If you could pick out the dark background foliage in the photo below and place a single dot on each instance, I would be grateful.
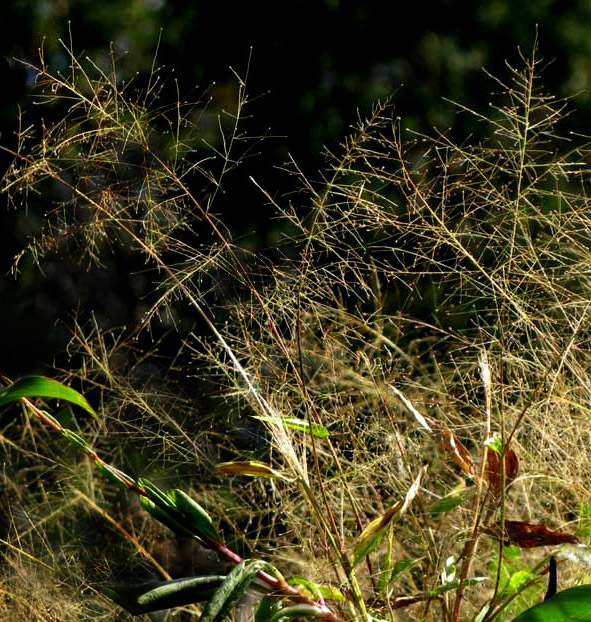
(313, 67)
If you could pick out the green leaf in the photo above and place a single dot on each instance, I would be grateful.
(312, 588)
(164, 517)
(495, 443)
(372, 535)
(39, 386)
(158, 496)
(76, 440)
(573, 605)
(298, 424)
(298, 611)
(518, 581)
(197, 519)
(231, 590)
(447, 503)
(157, 595)
(453, 585)
(114, 474)
(317, 590)
(267, 608)
(401, 566)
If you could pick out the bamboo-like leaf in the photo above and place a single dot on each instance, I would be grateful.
(572, 605)
(157, 595)
(298, 424)
(39, 386)
(251, 468)
(401, 566)
(449, 502)
(230, 592)
(196, 518)
(372, 535)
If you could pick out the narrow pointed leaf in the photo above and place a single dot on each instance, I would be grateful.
(231, 591)
(76, 440)
(266, 609)
(449, 502)
(157, 595)
(298, 611)
(454, 585)
(196, 518)
(158, 496)
(114, 474)
(164, 517)
(401, 566)
(251, 468)
(573, 605)
(372, 535)
(39, 386)
(298, 424)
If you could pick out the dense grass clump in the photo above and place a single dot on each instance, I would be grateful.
(416, 354)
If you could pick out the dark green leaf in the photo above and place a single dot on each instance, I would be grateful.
(401, 566)
(231, 590)
(267, 608)
(165, 518)
(115, 475)
(157, 595)
(158, 496)
(196, 518)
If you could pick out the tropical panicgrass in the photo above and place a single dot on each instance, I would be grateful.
(433, 294)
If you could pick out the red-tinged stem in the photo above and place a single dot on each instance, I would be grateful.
(278, 584)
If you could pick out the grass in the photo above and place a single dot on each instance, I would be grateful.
(430, 294)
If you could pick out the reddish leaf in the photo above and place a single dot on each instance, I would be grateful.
(458, 452)
(493, 469)
(527, 536)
